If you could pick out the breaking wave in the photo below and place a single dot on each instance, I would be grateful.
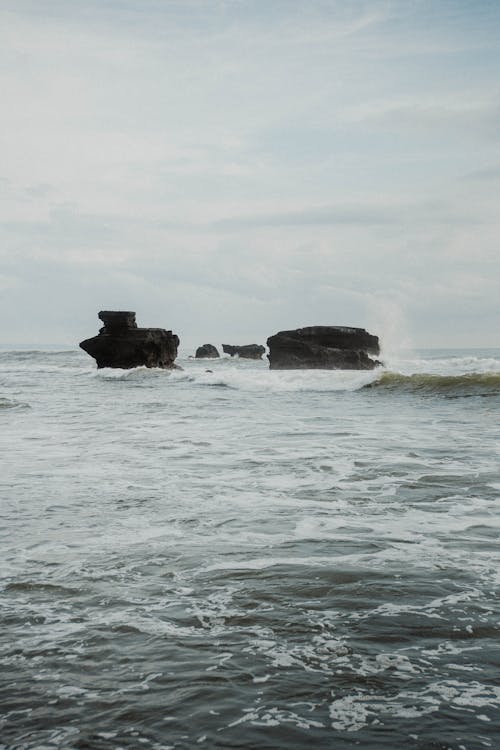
(468, 384)
(451, 381)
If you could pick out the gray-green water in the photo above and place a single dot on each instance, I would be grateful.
(249, 559)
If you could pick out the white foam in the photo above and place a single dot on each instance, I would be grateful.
(174, 503)
(284, 381)
(449, 365)
(352, 713)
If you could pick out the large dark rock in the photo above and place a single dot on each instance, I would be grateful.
(323, 348)
(207, 351)
(121, 343)
(249, 351)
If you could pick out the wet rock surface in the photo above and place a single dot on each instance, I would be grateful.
(120, 343)
(323, 347)
(249, 351)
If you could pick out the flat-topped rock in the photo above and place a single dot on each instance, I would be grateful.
(120, 343)
(248, 351)
(323, 348)
(117, 320)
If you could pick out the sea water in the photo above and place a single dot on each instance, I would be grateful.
(229, 557)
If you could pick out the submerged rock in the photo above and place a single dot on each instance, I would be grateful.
(323, 348)
(120, 343)
(207, 351)
(249, 351)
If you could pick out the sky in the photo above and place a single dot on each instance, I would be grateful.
(232, 168)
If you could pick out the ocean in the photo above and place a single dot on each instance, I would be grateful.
(231, 557)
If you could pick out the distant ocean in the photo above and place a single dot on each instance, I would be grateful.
(249, 559)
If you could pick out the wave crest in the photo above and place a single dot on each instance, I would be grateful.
(469, 384)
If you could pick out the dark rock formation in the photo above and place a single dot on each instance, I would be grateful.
(323, 348)
(207, 351)
(121, 343)
(249, 351)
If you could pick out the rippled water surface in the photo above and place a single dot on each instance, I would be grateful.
(249, 559)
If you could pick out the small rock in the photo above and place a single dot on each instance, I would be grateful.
(207, 351)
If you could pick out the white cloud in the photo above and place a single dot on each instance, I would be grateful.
(239, 166)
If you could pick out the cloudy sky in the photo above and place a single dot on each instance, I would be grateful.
(230, 168)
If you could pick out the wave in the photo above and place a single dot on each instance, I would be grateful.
(132, 373)
(323, 381)
(467, 374)
(6, 403)
(439, 365)
(281, 381)
(29, 355)
(465, 384)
